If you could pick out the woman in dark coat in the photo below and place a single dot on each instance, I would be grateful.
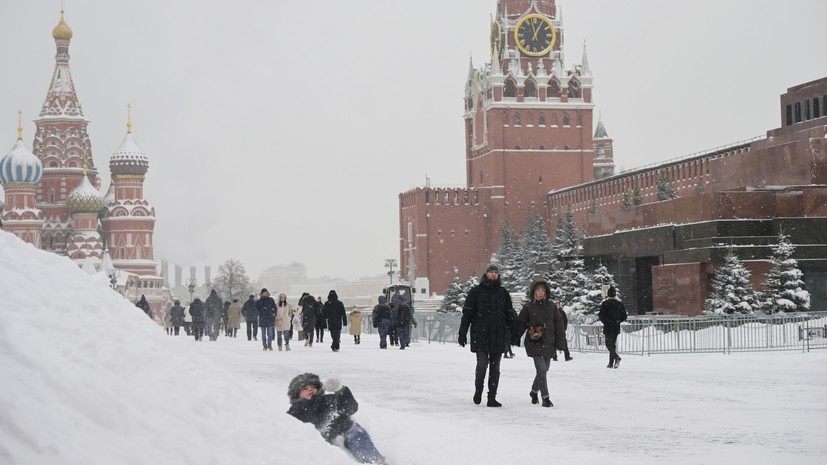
(321, 324)
(541, 317)
(144, 305)
(309, 318)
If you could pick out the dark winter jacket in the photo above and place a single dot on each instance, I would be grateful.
(612, 313)
(309, 315)
(545, 315)
(490, 315)
(266, 307)
(249, 310)
(334, 312)
(381, 313)
(213, 307)
(329, 413)
(321, 323)
(177, 313)
(144, 305)
(404, 315)
(197, 312)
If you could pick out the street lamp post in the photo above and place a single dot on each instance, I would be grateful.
(113, 278)
(191, 287)
(390, 263)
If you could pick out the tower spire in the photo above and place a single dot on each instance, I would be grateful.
(19, 125)
(584, 65)
(129, 118)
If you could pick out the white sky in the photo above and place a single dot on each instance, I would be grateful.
(284, 131)
(100, 383)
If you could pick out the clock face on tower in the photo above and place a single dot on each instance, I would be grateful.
(534, 35)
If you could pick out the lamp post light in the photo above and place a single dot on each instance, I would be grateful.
(390, 263)
(191, 287)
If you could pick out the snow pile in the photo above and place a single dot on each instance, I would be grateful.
(89, 379)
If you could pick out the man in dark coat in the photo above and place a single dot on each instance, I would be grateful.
(381, 317)
(177, 313)
(404, 317)
(335, 317)
(266, 307)
(612, 313)
(212, 314)
(144, 305)
(321, 324)
(309, 305)
(492, 319)
(250, 313)
(197, 314)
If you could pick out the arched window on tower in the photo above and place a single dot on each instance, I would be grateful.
(530, 89)
(554, 88)
(517, 120)
(566, 120)
(542, 119)
(575, 90)
(510, 89)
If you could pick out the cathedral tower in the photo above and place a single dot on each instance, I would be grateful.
(62, 144)
(20, 171)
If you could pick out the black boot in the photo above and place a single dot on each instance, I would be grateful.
(547, 402)
(617, 362)
(534, 398)
(492, 401)
(477, 397)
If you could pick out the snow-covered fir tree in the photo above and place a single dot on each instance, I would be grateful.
(599, 278)
(566, 241)
(568, 277)
(637, 196)
(537, 253)
(666, 190)
(784, 289)
(731, 289)
(508, 258)
(454, 297)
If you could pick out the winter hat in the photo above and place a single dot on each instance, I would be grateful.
(492, 267)
(299, 382)
(263, 290)
(332, 295)
(382, 299)
(611, 292)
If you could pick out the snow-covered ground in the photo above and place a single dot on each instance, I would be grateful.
(87, 378)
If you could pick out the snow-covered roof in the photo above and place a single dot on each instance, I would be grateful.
(20, 165)
(129, 158)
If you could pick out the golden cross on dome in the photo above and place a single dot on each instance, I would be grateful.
(129, 118)
(19, 124)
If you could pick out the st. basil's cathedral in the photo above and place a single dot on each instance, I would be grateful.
(50, 196)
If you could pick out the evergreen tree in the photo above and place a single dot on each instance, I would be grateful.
(509, 257)
(232, 281)
(784, 288)
(454, 297)
(566, 242)
(599, 278)
(731, 289)
(637, 196)
(627, 199)
(536, 253)
(666, 190)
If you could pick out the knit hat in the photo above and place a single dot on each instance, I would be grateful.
(299, 382)
(611, 292)
(492, 267)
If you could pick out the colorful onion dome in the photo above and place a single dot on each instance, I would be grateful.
(62, 30)
(85, 198)
(129, 159)
(20, 165)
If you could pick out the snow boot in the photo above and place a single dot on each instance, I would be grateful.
(569, 358)
(534, 398)
(547, 402)
(280, 349)
(492, 401)
(477, 397)
(617, 362)
(287, 347)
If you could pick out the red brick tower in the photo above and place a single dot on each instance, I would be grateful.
(61, 143)
(129, 220)
(528, 131)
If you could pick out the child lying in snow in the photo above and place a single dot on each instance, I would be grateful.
(329, 407)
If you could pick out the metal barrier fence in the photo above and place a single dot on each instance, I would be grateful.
(647, 335)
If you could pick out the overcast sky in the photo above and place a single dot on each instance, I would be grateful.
(282, 131)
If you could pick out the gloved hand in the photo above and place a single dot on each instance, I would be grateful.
(462, 339)
(332, 385)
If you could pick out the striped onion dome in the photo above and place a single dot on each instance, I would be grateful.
(20, 165)
(129, 159)
(85, 198)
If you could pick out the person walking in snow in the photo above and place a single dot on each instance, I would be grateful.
(381, 317)
(393, 331)
(177, 313)
(266, 307)
(144, 306)
(612, 313)
(489, 313)
(321, 323)
(335, 318)
(329, 407)
(542, 318)
(168, 320)
(250, 313)
(198, 321)
(309, 313)
(562, 342)
(298, 318)
(284, 318)
(355, 322)
(225, 316)
(212, 314)
(233, 318)
(404, 318)
(188, 320)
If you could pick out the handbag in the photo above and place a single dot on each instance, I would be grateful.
(535, 333)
